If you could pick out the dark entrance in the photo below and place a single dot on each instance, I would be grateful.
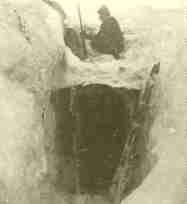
(104, 121)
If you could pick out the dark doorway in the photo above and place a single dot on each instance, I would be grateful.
(104, 121)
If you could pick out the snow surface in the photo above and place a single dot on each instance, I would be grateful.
(30, 50)
(105, 70)
(166, 184)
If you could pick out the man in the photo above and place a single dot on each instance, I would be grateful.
(109, 39)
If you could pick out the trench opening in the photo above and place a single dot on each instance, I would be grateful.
(101, 125)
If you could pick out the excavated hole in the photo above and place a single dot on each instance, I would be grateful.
(103, 123)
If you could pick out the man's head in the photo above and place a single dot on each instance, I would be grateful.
(103, 12)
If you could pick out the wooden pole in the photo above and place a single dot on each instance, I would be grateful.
(82, 31)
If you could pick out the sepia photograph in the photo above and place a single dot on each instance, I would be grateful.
(93, 103)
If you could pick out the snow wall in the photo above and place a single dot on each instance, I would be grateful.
(166, 183)
(32, 51)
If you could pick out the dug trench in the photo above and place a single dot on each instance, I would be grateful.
(92, 125)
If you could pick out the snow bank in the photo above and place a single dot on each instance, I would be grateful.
(105, 70)
(32, 48)
(30, 42)
(166, 184)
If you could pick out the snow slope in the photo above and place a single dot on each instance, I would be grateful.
(167, 183)
(30, 51)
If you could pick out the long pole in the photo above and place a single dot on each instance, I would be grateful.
(82, 31)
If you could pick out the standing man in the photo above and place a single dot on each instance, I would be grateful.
(109, 39)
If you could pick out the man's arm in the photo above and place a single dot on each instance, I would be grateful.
(87, 35)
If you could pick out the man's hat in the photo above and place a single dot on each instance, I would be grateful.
(104, 10)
